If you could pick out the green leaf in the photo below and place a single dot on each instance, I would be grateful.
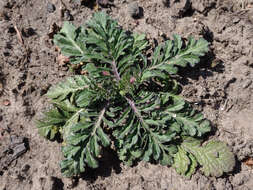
(214, 157)
(140, 43)
(168, 56)
(192, 122)
(91, 160)
(190, 54)
(184, 163)
(148, 152)
(48, 131)
(154, 73)
(74, 119)
(156, 151)
(95, 146)
(103, 137)
(181, 162)
(77, 139)
(70, 167)
(69, 86)
(71, 151)
(49, 126)
(131, 122)
(84, 98)
(65, 105)
(67, 41)
(166, 160)
(192, 167)
(84, 140)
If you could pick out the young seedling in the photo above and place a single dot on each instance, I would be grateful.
(128, 102)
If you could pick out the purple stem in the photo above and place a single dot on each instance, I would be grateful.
(115, 71)
(130, 102)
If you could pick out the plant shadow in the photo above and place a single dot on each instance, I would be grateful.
(108, 163)
(207, 66)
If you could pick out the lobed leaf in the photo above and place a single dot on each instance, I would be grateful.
(214, 157)
(70, 86)
(171, 54)
(181, 162)
(50, 124)
(84, 138)
(70, 41)
(191, 122)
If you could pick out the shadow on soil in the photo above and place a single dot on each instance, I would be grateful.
(57, 183)
(208, 65)
(108, 163)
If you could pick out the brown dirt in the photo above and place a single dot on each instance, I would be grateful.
(221, 86)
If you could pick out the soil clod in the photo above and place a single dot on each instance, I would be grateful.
(50, 8)
(103, 3)
(67, 15)
(134, 10)
(16, 148)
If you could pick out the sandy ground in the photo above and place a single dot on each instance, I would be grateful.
(221, 86)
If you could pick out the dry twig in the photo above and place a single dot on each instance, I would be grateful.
(19, 35)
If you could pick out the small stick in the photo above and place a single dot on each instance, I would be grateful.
(19, 35)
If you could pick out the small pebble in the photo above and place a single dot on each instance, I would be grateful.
(9, 4)
(134, 10)
(77, 2)
(50, 8)
(11, 30)
(247, 84)
(103, 3)
(6, 103)
(67, 15)
(27, 32)
(236, 20)
(25, 168)
(166, 3)
(3, 15)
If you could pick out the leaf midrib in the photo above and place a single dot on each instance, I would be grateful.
(76, 45)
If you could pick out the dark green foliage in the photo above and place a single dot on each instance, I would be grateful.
(125, 98)
(169, 55)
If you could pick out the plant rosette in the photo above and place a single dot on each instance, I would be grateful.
(128, 102)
